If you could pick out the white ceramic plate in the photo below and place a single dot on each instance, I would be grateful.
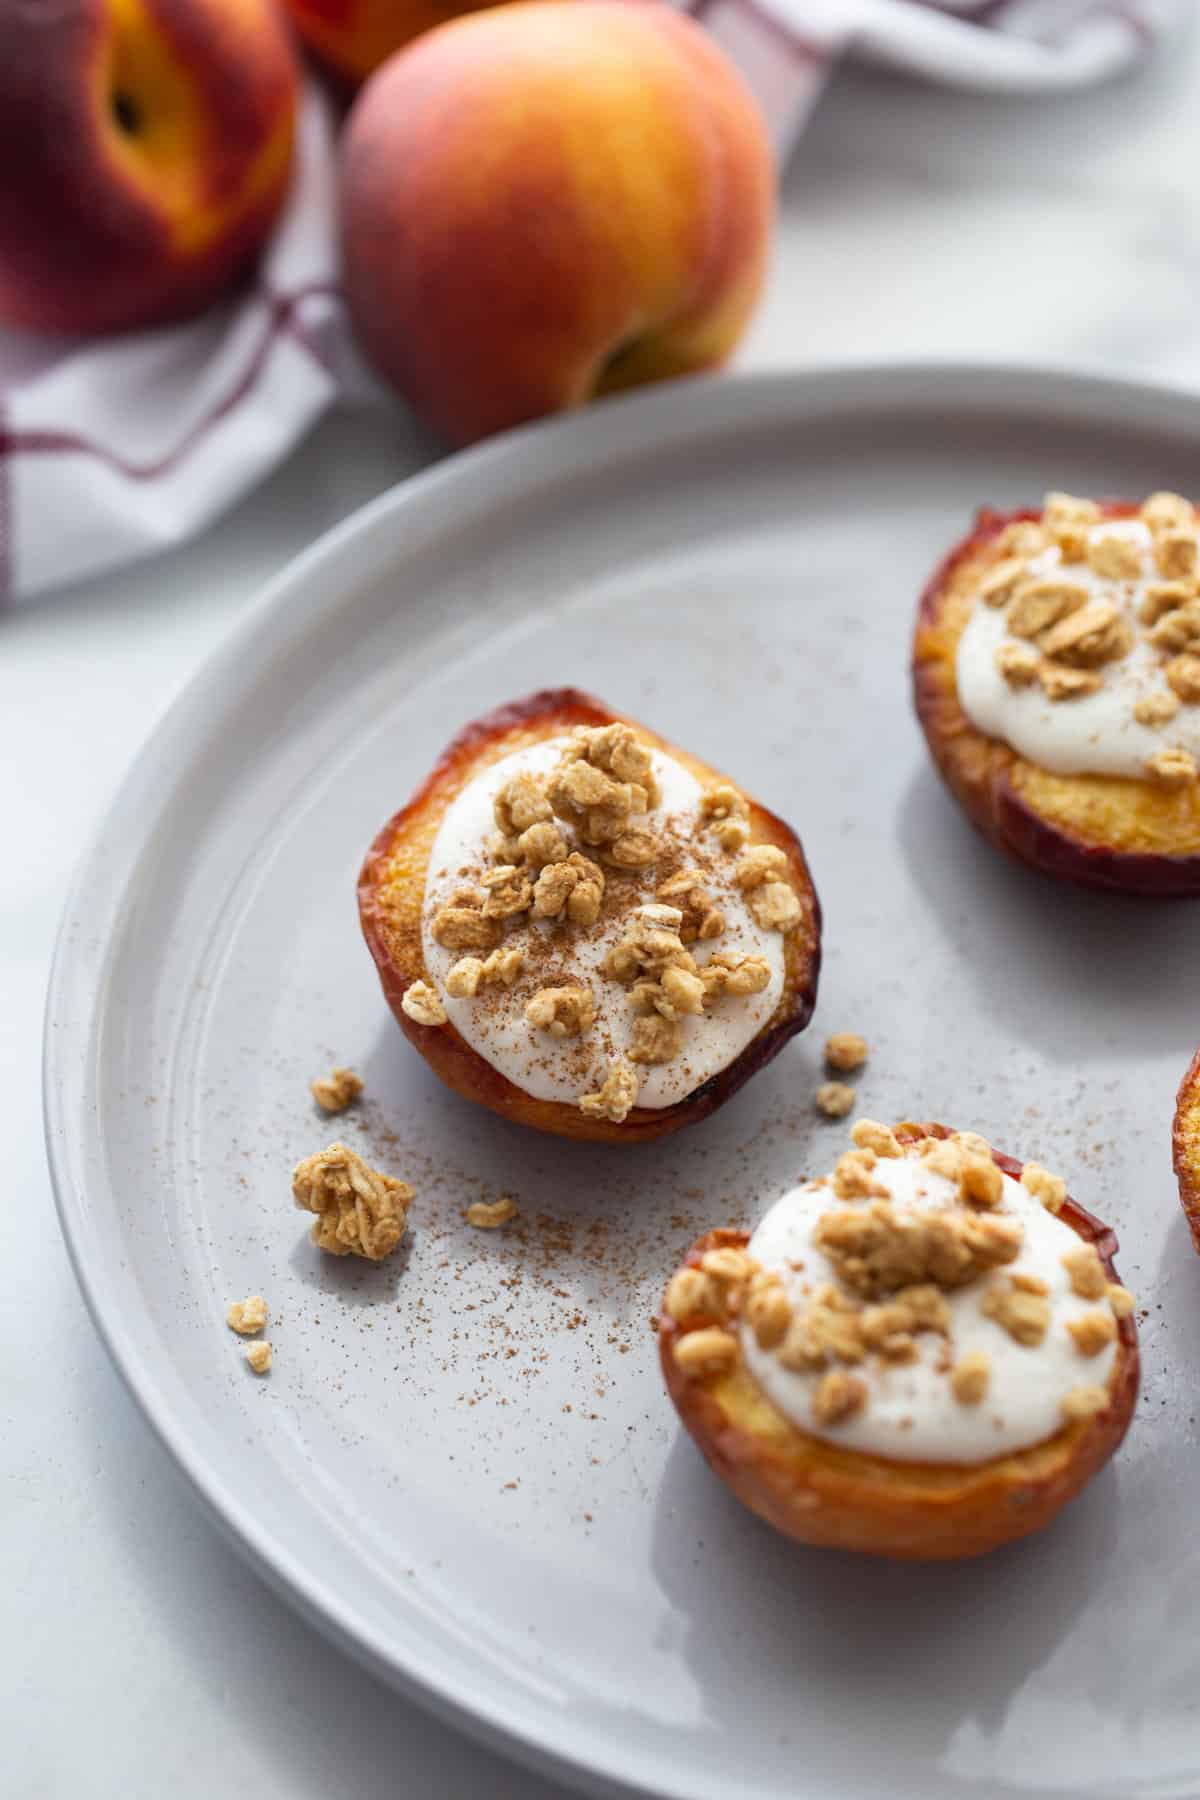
(463, 1463)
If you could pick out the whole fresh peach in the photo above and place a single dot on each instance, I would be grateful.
(545, 202)
(352, 37)
(146, 147)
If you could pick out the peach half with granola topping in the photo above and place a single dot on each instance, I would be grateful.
(926, 1354)
(1185, 1144)
(1056, 675)
(586, 928)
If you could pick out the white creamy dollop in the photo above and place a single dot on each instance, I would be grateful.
(911, 1414)
(563, 1069)
(1095, 735)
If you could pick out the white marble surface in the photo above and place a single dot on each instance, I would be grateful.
(139, 1653)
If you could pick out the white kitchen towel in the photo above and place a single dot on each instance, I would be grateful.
(117, 447)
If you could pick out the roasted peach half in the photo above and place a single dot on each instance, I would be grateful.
(819, 1493)
(392, 894)
(1119, 833)
(1185, 1144)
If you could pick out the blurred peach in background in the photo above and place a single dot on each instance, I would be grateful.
(147, 147)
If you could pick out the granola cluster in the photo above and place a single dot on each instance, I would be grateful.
(1062, 635)
(336, 1091)
(360, 1211)
(895, 1269)
(577, 847)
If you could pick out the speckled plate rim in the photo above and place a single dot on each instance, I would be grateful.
(410, 517)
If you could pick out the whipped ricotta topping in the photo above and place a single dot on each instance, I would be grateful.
(1098, 733)
(911, 1413)
(562, 1069)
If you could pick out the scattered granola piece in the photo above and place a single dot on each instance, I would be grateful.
(508, 891)
(708, 1351)
(489, 1215)
(677, 994)
(615, 1098)
(1167, 512)
(775, 906)
(1171, 768)
(1041, 602)
(1025, 1316)
(768, 1311)
(1178, 629)
(360, 1211)
(728, 972)
(997, 585)
(1164, 597)
(1086, 1272)
(979, 1181)
(1083, 1403)
(1068, 519)
(1029, 1283)
(1156, 709)
(336, 1091)
(829, 1326)
(700, 918)
(574, 888)
(463, 927)
(1061, 683)
(655, 1039)
(1093, 1331)
(683, 991)
(1114, 557)
(1175, 553)
(247, 1316)
(728, 1265)
(800, 1349)
(835, 1099)
(1089, 636)
(838, 1397)
(970, 1377)
(925, 1307)
(1018, 663)
(888, 1330)
(765, 862)
(691, 1295)
(852, 1178)
(260, 1357)
(1183, 677)
(562, 1011)
(845, 1051)
(542, 844)
(1051, 1190)
(422, 1003)
(520, 803)
(1120, 1299)
(869, 1134)
(470, 973)
(634, 850)
(727, 813)
(651, 944)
